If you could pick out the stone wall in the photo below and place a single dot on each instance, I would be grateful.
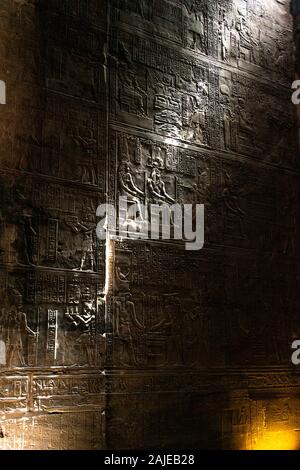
(186, 349)
(53, 148)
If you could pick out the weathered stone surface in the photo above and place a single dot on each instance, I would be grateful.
(52, 178)
(185, 350)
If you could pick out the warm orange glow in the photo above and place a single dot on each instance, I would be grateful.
(276, 440)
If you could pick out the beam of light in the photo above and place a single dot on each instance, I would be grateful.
(276, 440)
(2, 92)
(108, 263)
(56, 336)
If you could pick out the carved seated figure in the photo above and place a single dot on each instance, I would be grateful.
(129, 189)
(157, 186)
(126, 183)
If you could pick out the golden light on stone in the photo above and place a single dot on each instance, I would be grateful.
(277, 440)
(141, 344)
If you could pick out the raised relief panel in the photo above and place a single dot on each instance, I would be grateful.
(52, 333)
(52, 164)
(57, 321)
(161, 18)
(252, 203)
(275, 418)
(164, 327)
(261, 321)
(72, 73)
(255, 37)
(44, 146)
(54, 228)
(197, 26)
(19, 331)
(80, 334)
(150, 171)
(85, 12)
(159, 344)
(236, 421)
(70, 319)
(186, 23)
(38, 240)
(50, 393)
(61, 431)
(199, 104)
(259, 125)
(156, 90)
(14, 394)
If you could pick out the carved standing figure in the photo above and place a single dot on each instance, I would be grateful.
(84, 322)
(17, 331)
(127, 328)
(88, 251)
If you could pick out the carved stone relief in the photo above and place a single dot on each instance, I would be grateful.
(139, 344)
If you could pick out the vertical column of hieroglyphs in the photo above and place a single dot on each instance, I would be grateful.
(53, 145)
(200, 112)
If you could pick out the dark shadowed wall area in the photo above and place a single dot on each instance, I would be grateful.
(142, 344)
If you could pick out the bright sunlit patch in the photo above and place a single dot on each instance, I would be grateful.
(170, 141)
(2, 92)
(277, 440)
(109, 253)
